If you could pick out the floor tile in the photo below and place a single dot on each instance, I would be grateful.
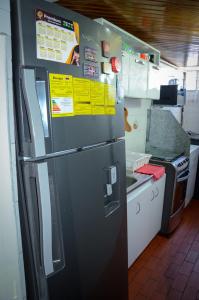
(164, 286)
(142, 276)
(192, 256)
(179, 258)
(196, 267)
(186, 268)
(193, 280)
(149, 288)
(157, 296)
(172, 270)
(190, 293)
(180, 282)
(174, 295)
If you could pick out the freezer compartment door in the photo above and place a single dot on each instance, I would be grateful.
(41, 133)
(92, 193)
(89, 98)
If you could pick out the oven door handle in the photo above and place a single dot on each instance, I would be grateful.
(183, 178)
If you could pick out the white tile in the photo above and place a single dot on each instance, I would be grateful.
(5, 22)
(5, 5)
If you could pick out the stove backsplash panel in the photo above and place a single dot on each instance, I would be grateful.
(165, 133)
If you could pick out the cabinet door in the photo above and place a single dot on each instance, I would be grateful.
(156, 206)
(137, 210)
(138, 77)
(153, 90)
(125, 73)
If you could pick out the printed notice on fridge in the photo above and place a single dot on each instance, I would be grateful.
(110, 95)
(57, 38)
(61, 93)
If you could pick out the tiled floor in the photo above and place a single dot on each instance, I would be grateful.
(169, 267)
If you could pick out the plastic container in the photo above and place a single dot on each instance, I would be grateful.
(136, 160)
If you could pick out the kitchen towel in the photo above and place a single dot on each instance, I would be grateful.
(156, 171)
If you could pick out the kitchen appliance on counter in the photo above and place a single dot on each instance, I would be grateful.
(177, 173)
(171, 95)
(71, 155)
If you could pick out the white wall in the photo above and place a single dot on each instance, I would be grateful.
(169, 72)
(191, 112)
(137, 108)
(12, 283)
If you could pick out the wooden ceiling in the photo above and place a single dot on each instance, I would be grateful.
(172, 26)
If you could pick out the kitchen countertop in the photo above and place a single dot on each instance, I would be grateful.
(193, 148)
(139, 180)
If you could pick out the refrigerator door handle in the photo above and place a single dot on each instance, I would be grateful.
(34, 112)
(46, 217)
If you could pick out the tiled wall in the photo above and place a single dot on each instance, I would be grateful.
(137, 109)
(191, 112)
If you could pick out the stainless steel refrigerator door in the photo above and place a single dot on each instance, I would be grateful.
(64, 132)
(93, 224)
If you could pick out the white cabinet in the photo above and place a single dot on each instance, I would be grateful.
(137, 210)
(153, 90)
(125, 73)
(144, 215)
(138, 76)
(156, 206)
(194, 153)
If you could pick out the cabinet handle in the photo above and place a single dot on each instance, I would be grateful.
(153, 196)
(139, 61)
(157, 192)
(156, 68)
(138, 211)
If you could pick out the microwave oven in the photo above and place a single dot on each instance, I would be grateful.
(171, 95)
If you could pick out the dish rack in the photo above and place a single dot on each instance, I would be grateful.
(136, 160)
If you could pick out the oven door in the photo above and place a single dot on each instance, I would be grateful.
(180, 190)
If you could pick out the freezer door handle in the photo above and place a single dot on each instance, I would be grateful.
(45, 217)
(34, 112)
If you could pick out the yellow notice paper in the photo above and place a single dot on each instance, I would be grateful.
(81, 92)
(110, 110)
(109, 94)
(98, 110)
(83, 109)
(97, 93)
(61, 93)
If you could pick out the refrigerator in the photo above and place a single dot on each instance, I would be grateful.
(70, 154)
(12, 280)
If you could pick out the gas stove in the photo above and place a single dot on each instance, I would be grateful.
(177, 173)
(164, 155)
(179, 161)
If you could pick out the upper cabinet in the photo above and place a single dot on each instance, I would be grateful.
(140, 76)
(153, 89)
(124, 75)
